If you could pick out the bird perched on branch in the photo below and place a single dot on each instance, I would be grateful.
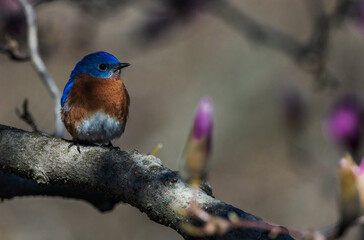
(95, 101)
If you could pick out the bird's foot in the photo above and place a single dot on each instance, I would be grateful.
(110, 146)
(75, 142)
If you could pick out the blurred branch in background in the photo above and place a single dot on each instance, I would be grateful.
(40, 66)
(255, 31)
(311, 56)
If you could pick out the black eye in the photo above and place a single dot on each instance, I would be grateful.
(102, 66)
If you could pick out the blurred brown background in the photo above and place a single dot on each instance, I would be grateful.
(258, 165)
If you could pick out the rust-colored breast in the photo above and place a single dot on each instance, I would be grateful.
(90, 95)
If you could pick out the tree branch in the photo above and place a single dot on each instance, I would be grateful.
(129, 177)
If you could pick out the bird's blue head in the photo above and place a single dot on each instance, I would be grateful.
(98, 64)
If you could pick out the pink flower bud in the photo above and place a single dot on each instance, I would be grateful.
(203, 124)
(199, 144)
(344, 123)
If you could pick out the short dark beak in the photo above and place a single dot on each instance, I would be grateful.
(122, 65)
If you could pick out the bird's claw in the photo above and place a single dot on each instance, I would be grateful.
(110, 146)
(75, 143)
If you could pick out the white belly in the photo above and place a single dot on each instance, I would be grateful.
(100, 128)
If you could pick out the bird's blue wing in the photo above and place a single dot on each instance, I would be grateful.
(66, 91)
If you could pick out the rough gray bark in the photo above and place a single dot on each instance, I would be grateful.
(105, 177)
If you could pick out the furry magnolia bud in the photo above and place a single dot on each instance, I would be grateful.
(199, 144)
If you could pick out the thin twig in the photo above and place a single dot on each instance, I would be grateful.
(317, 47)
(216, 225)
(26, 116)
(256, 31)
(39, 65)
(311, 56)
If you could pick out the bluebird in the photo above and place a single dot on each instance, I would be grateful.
(95, 102)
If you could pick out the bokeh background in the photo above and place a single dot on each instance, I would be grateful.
(271, 156)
